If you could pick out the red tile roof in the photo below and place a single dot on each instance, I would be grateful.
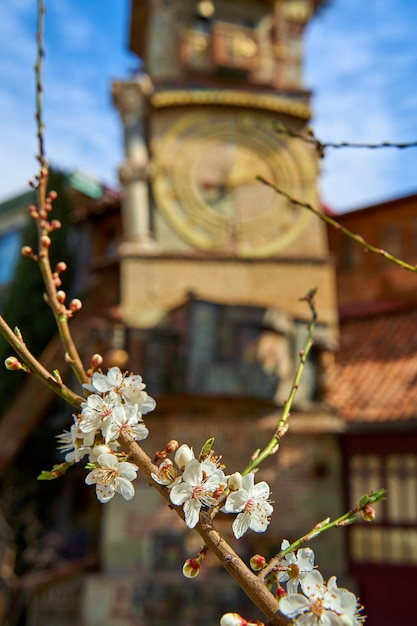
(374, 378)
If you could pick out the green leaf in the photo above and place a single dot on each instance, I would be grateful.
(205, 450)
(56, 471)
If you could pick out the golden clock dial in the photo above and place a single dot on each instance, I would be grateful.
(205, 184)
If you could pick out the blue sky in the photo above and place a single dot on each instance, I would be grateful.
(361, 63)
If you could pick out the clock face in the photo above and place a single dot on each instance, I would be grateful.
(205, 184)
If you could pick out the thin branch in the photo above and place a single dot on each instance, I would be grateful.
(253, 586)
(41, 214)
(326, 218)
(309, 137)
(39, 86)
(344, 520)
(273, 445)
(54, 383)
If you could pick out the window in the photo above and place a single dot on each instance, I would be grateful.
(392, 538)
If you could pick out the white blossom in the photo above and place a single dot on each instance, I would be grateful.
(322, 605)
(297, 566)
(167, 474)
(112, 475)
(251, 502)
(127, 419)
(349, 605)
(97, 411)
(75, 443)
(130, 388)
(196, 490)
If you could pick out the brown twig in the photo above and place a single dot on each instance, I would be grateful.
(329, 220)
(254, 588)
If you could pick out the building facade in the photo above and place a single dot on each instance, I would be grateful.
(213, 264)
(373, 388)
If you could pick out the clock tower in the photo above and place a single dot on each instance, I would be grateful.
(219, 80)
(213, 267)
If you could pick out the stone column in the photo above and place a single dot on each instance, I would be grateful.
(131, 98)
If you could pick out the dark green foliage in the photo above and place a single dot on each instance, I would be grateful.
(24, 305)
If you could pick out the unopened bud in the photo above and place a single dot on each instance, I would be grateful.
(60, 296)
(97, 451)
(60, 267)
(235, 481)
(33, 211)
(96, 361)
(191, 568)
(257, 562)
(55, 224)
(280, 592)
(12, 363)
(322, 523)
(27, 251)
(172, 446)
(45, 241)
(368, 514)
(183, 455)
(52, 195)
(75, 305)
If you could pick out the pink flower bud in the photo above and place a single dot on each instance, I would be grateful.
(60, 296)
(368, 514)
(171, 446)
(55, 224)
(45, 241)
(281, 593)
(191, 568)
(27, 251)
(60, 267)
(12, 363)
(75, 305)
(257, 562)
(96, 361)
(33, 211)
(52, 195)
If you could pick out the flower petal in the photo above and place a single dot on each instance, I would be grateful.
(294, 604)
(192, 512)
(180, 493)
(236, 501)
(105, 492)
(125, 488)
(193, 473)
(241, 525)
